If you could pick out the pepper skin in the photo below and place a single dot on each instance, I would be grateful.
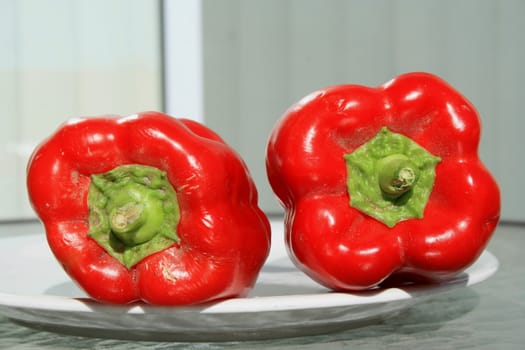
(346, 248)
(221, 238)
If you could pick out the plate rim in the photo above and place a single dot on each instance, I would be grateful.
(260, 303)
(256, 317)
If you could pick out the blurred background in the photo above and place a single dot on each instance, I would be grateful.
(237, 65)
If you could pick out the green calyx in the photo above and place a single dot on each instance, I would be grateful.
(390, 177)
(133, 212)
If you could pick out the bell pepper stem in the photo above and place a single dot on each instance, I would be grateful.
(127, 218)
(135, 213)
(396, 174)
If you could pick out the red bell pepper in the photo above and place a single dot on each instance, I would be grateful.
(380, 182)
(149, 207)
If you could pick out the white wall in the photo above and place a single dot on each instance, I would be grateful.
(66, 58)
(63, 58)
(261, 56)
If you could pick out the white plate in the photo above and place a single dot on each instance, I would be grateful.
(34, 291)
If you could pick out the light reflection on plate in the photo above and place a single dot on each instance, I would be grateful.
(34, 291)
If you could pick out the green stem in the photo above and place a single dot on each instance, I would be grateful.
(396, 174)
(127, 218)
(135, 213)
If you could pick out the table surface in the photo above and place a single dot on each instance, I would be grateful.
(490, 315)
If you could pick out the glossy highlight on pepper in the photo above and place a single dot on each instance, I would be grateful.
(149, 208)
(363, 204)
